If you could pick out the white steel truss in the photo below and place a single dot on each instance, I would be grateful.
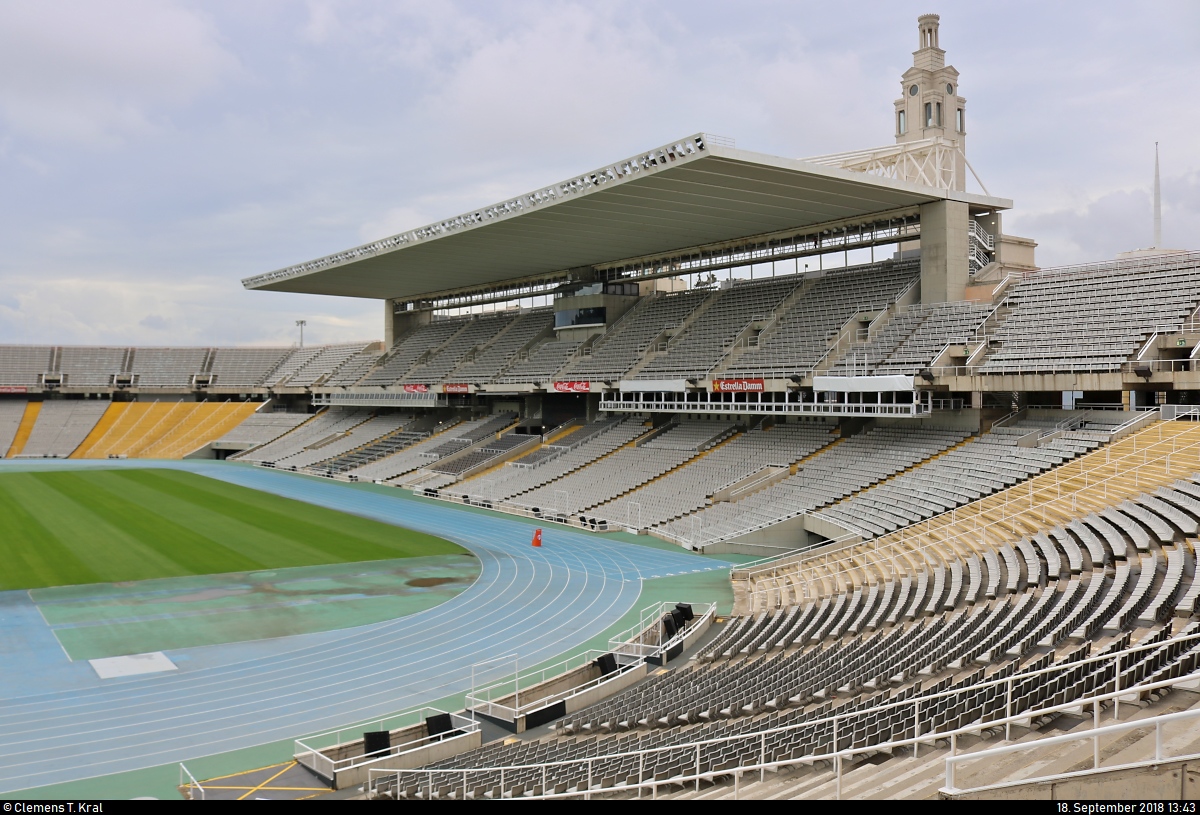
(932, 162)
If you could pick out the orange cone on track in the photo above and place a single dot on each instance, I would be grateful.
(537, 537)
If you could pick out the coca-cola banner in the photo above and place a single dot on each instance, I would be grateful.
(416, 389)
(739, 385)
(13, 389)
(573, 387)
(456, 387)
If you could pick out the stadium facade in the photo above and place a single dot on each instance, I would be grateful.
(692, 282)
(974, 480)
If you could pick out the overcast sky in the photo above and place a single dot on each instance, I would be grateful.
(152, 154)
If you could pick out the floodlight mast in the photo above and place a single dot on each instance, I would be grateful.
(302, 323)
(1157, 203)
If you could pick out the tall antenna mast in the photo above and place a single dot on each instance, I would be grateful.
(1157, 203)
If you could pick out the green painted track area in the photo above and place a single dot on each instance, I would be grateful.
(108, 526)
(107, 619)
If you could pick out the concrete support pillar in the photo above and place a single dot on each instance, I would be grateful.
(944, 269)
(1128, 400)
(976, 400)
(389, 324)
(397, 325)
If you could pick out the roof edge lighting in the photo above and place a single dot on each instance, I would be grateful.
(682, 150)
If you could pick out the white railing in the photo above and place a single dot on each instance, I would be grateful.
(1073, 422)
(1179, 412)
(1162, 262)
(314, 758)
(769, 567)
(629, 647)
(568, 423)
(554, 515)
(379, 399)
(1190, 325)
(976, 255)
(190, 786)
(1135, 424)
(838, 723)
(1094, 735)
(982, 236)
(912, 543)
(482, 700)
(920, 406)
(343, 735)
(648, 639)
(1147, 347)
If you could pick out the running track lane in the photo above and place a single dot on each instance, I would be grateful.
(534, 603)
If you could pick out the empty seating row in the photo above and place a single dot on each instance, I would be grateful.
(1068, 320)
(61, 426)
(976, 469)
(260, 428)
(11, 413)
(698, 348)
(538, 468)
(326, 425)
(913, 339)
(844, 468)
(690, 487)
(800, 337)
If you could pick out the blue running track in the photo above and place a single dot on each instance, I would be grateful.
(58, 722)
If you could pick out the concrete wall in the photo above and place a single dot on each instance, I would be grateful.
(438, 751)
(553, 685)
(965, 419)
(773, 540)
(354, 749)
(1015, 253)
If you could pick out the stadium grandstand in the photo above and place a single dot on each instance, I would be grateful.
(968, 488)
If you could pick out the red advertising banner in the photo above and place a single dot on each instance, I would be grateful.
(416, 389)
(573, 387)
(13, 389)
(739, 385)
(456, 387)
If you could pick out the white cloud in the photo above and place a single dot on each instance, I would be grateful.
(240, 138)
(1118, 221)
(114, 311)
(88, 72)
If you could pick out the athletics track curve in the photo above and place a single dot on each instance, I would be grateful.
(535, 603)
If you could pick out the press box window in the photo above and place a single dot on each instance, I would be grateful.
(575, 317)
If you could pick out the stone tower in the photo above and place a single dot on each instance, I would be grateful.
(930, 106)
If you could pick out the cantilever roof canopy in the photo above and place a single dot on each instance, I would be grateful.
(692, 192)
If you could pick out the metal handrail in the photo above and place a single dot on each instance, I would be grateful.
(191, 784)
(1164, 261)
(315, 759)
(982, 236)
(1094, 734)
(484, 695)
(1007, 721)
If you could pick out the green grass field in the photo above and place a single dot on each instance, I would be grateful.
(104, 526)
